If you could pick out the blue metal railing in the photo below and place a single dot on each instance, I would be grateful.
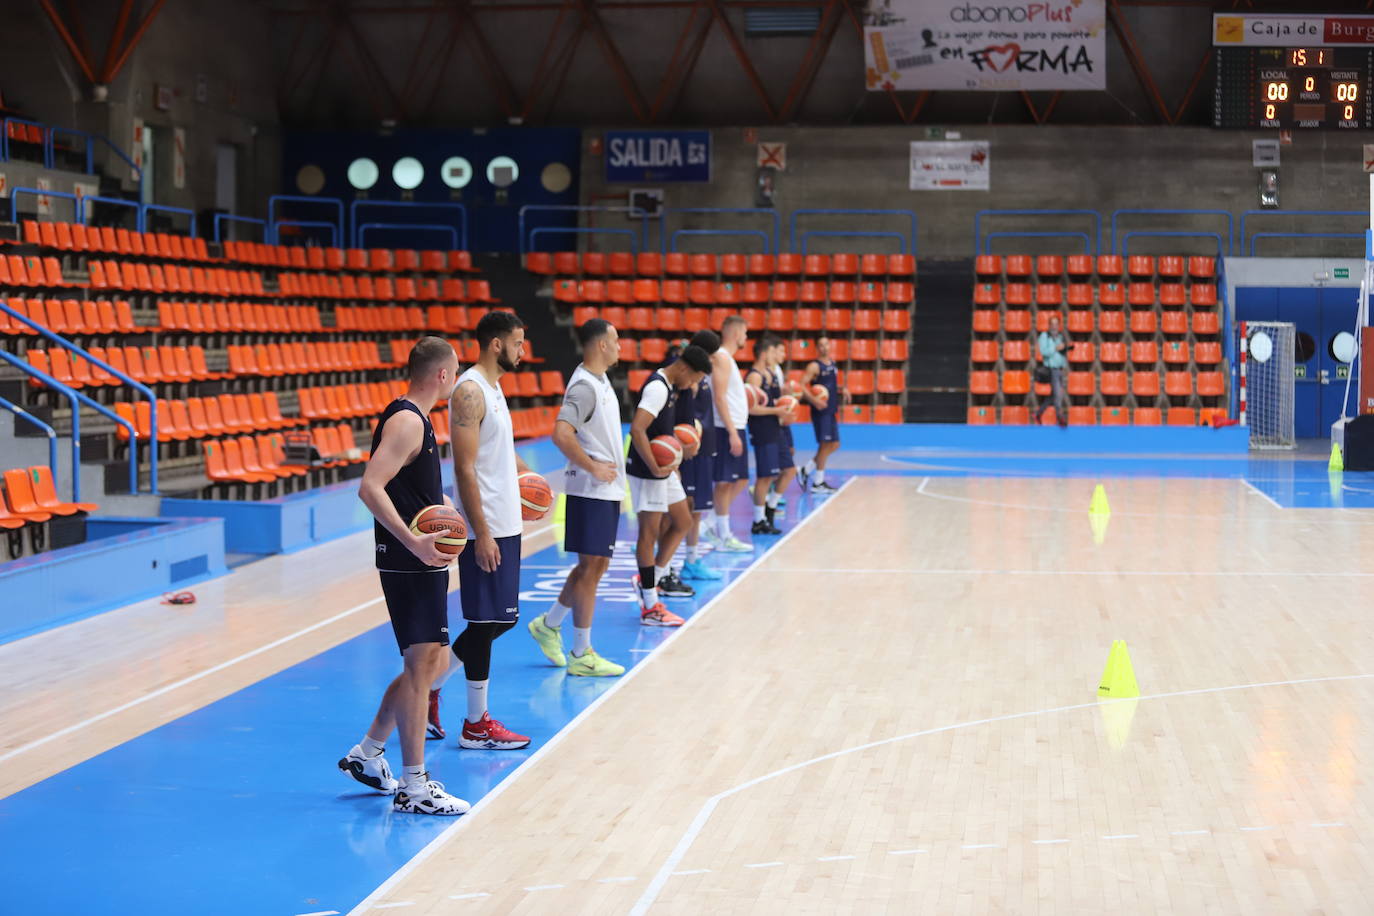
(451, 231)
(162, 208)
(23, 414)
(987, 240)
(14, 201)
(332, 202)
(1157, 233)
(222, 218)
(355, 206)
(1117, 214)
(792, 224)
(1300, 235)
(1246, 243)
(745, 211)
(84, 215)
(1228, 343)
(526, 240)
(49, 144)
(307, 223)
(978, 223)
(763, 236)
(76, 398)
(901, 239)
(137, 386)
(585, 230)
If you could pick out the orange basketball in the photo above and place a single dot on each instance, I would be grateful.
(687, 434)
(757, 396)
(821, 393)
(786, 402)
(536, 496)
(667, 451)
(442, 518)
(795, 387)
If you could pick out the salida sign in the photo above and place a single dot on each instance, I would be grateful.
(636, 156)
(964, 44)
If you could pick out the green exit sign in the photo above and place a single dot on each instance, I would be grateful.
(1341, 273)
(1342, 372)
(1299, 372)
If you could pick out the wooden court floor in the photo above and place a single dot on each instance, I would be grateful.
(896, 712)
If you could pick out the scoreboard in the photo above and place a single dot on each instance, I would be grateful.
(1295, 87)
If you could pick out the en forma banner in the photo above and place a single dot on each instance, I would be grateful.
(985, 45)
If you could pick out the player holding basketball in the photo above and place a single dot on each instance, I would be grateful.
(654, 489)
(731, 416)
(765, 431)
(485, 467)
(824, 416)
(587, 432)
(787, 462)
(698, 473)
(402, 477)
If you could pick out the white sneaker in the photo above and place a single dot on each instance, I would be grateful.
(713, 538)
(733, 544)
(428, 797)
(373, 772)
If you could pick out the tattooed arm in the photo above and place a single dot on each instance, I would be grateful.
(466, 410)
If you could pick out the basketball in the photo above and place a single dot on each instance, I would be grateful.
(786, 402)
(697, 425)
(536, 496)
(442, 518)
(687, 434)
(821, 393)
(757, 396)
(795, 387)
(667, 451)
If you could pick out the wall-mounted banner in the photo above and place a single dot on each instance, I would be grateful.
(944, 165)
(637, 156)
(178, 157)
(985, 44)
(1291, 30)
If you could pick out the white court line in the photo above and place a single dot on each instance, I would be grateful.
(394, 906)
(1190, 833)
(905, 852)
(201, 675)
(1196, 573)
(1333, 824)
(763, 865)
(1047, 842)
(449, 832)
(320, 913)
(698, 824)
(833, 858)
(1122, 836)
(693, 871)
(1272, 501)
(616, 880)
(531, 889)
(1255, 829)
(468, 896)
(979, 846)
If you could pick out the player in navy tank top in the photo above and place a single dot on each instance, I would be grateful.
(825, 419)
(765, 428)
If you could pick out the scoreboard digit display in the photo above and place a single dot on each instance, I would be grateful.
(1315, 87)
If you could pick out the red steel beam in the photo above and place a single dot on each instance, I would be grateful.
(689, 63)
(109, 73)
(666, 84)
(68, 40)
(537, 81)
(743, 57)
(564, 65)
(491, 66)
(592, 20)
(445, 55)
(1142, 71)
(811, 64)
(126, 8)
(378, 74)
(412, 72)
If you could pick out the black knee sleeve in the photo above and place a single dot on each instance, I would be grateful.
(473, 648)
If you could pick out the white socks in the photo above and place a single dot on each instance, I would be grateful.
(691, 553)
(413, 777)
(809, 468)
(723, 527)
(758, 513)
(371, 746)
(772, 499)
(661, 573)
(582, 640)
(818, 476)
(477, 700)
(553, 617)
(648, 596)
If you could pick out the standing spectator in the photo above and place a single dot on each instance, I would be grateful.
(1053, 345)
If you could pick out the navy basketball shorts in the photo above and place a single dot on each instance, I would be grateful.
(766, 459)
(590, 526)
(698, 481)
(418, 605)
(785, 459)
(728, 467)
(826, 426)
(491, 597)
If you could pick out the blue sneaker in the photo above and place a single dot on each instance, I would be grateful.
(698, 570)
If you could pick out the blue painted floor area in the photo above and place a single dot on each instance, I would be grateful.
(238, 807)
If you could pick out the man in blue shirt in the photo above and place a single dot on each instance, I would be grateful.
(1053, 347)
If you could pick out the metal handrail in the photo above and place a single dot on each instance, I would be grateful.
(50, 133)
(75, 397)
(333, 229)
(357, 205)
(1230, 224)
(792, 222)
(748, 211)
(45, 144)
(83, 216)
(221, 218)
(163, 208)
(52, 433)
(631, 211)
(14, 201)
(1244, 217)
(901, 239)
(987, 239)
(137, 386)
(1158, 233)
(672, 239)
(1096, 218)
(586, 230)
(417, 227)
(273, 222)
(1300, 235)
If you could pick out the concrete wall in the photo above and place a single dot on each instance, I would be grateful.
(1047, 167)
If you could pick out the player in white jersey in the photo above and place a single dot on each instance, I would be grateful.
(732, 416)
(587, 432)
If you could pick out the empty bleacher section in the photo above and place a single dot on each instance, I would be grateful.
(1145, 331)
(864, 303)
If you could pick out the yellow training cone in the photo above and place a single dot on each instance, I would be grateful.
(1099, 504)
(1098, 522)
(1337, 463)
(1118, 678)
(1117, 716)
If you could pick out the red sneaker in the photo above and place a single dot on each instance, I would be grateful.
(490, 735)
(659, 616)
(434, 729)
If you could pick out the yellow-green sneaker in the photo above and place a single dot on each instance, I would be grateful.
(589, 664)
(550, 641)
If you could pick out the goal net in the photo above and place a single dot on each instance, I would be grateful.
(1267, 350)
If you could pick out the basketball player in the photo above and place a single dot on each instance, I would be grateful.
(402, 477)
(655, 490)
(587, 432)
(824, 416)
(731, 416)
(485, 468)
(765, 431)
(787, 462)
(698, 473)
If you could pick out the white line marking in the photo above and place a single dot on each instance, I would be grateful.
(201, 675)
(763, 865)
(979, 846)
(394, 906)
(1273, 502)
(640, 651)
(1122, 836)
(449, 832)
(1333, 824)
(905, 852)
(320, 913)
(833, 858)
(1255, 829)
(708, 807)
(544, 887)
(468, 896)
(616, 880)
(1190, 833)
(1193, 573)
(693, 871)
(1047, 842)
